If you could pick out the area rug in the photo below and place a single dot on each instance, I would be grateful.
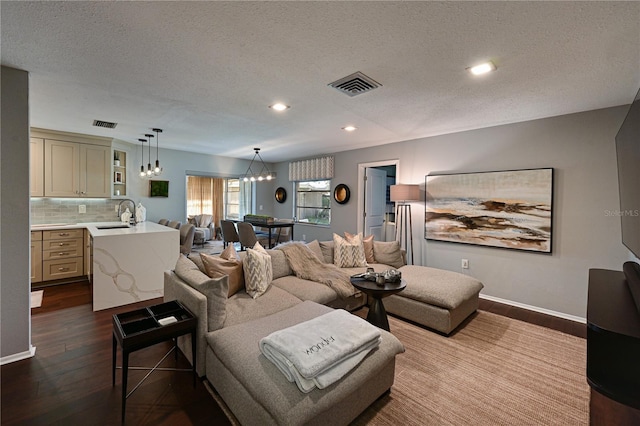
(36, 298)
(209, 247)
(493, 371)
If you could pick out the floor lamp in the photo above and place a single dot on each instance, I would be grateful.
(400, 194)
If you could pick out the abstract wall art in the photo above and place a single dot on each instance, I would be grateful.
(508, 209)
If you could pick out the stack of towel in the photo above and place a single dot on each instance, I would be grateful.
(318, 352)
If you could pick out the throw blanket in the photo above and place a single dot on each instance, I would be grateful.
(307, 266)
(320, 351)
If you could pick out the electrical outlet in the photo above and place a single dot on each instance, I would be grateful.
(260, 207)
(115, 208)
(304, 237)
(82, 208)
(465, 263)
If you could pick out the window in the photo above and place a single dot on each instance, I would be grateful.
(237, 199)
(313, 202)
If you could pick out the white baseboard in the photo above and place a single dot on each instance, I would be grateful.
(19, 356)
(535, 309)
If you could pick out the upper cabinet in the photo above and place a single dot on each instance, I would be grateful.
(119, 173)
(76, 165)
(36, 167)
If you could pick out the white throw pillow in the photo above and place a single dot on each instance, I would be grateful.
(258, 272)
(348, 254)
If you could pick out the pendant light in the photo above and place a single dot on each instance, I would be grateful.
(142, 172)
(264, 174)
(157, 170)
(149, 169)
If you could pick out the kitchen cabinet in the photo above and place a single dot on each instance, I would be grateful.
(36, 166)
(76, 170)
(36, 256)
(119, 173)
(62, 254)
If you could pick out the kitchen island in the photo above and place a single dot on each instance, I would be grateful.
(128, 263)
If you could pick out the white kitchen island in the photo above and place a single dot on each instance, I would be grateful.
(129, 263)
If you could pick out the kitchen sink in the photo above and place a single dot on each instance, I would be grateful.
(116, 226)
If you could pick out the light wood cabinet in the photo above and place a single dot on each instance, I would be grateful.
(36, 257)
(36, 167)
(76, 170)
(62, 254)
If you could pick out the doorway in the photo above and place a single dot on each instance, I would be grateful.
(375, 210)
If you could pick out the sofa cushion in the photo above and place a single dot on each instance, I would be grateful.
(438, 287)
(242, 308)
(305, 289)
(280, 266)
(215, 290)
(258, 271)
(228, 263)
(327, 251)
(367, 244)
(388, 253)
(348, 254)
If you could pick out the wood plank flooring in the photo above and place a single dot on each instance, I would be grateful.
(69, 379)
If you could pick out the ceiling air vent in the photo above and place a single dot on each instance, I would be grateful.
(106, 124)
(355, 84)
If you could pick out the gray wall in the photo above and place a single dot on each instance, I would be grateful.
(15, 316)
(581, 149)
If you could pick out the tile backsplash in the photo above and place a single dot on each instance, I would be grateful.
(66, 210)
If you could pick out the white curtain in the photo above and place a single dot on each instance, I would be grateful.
(313, 169)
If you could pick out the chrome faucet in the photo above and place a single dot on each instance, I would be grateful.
(133, 212)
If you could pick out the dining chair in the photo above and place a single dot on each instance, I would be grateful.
(163, 222)
(229, 233)
(175, 224)
(248, 236)
(187, 233)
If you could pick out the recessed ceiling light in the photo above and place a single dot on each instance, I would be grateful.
(482, 68)
(279, 107)
(349, 128)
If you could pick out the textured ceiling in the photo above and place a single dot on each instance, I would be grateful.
(206, 72)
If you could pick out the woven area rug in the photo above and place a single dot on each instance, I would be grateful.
(493, 371)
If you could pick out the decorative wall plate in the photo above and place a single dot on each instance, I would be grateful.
(281, 195)
(341, 194)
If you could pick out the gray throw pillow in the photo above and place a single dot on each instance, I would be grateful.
(388, 253)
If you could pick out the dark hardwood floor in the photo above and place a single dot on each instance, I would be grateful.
(69, 379)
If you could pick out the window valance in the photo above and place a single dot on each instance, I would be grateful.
(312, 169)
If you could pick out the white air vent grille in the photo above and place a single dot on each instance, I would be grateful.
(107, 124)
(355, 84)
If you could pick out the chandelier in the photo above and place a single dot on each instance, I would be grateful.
(251, 175)
(150, 172)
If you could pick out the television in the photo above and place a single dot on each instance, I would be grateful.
(628, 155)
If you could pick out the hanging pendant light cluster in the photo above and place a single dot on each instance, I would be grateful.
(157, 170)
(264, 174)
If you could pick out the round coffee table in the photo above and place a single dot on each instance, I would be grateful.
(377, 314)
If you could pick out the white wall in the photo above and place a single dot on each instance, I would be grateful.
(581, 149)
(15, 316)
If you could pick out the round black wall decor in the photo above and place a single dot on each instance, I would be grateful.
(341, 194)
(281, 195)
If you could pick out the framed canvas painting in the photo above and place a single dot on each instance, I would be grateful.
(158, 188)
(507, 209)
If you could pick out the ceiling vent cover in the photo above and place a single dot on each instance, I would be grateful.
(355, 84)
(106, 124)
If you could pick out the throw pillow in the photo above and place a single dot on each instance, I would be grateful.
(228, 263)
(258, 272)
(388, 253)
(367, 243)
(314, 246)
(327, 251)
(348, 254)
(214, 289)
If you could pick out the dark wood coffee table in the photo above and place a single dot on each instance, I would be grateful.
(377, 314)
(142, 328)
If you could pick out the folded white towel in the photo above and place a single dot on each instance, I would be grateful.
(318, 352)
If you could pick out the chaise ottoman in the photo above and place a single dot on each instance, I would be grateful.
(259, 394)
(435, 298)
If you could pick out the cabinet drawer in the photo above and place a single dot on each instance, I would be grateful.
(61, 253)
(75, 243)
(62, 234)
(36, 235)
(62, 268)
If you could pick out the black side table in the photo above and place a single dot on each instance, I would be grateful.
(377, 314)
(142, 328)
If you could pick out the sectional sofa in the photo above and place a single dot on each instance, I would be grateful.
(231, 325)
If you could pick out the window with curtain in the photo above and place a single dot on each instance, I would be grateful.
(313, 202)
(205, 195)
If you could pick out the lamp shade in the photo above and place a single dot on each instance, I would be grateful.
(403, 192)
